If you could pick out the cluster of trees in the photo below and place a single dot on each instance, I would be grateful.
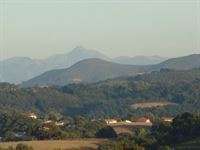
(184, 127)
(163, 136)
(111, 97)
(15, 126)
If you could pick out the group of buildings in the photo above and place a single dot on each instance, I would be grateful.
(47, 123)
(145, 121)
(140, 120)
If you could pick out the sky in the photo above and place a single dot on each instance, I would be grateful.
(41, 28)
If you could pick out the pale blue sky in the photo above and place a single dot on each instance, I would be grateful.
(42, 28)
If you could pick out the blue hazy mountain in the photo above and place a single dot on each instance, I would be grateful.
(18, 69)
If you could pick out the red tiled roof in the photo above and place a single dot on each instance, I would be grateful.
(142, 119)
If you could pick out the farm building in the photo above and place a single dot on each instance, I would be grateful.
(167, 119)
(143, 120)
(128, 121)
(110, 121)
(32, 115)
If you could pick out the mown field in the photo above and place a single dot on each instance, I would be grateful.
(151, 104)
(123, 127)
(78, 144)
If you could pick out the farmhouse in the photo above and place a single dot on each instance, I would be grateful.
(76, 80)
(60, 123)
(47, 121)
(32, 115)
(167, 119)
(143, 120)
(49, 124)
(110, 121)
(128, 121)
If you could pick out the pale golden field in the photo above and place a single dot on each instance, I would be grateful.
(123, 127)
(78, 144)
(151, 104)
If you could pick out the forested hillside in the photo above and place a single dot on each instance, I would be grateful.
(112, 97)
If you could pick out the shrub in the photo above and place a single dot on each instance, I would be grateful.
(106, 132)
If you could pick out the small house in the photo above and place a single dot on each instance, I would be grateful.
(143, 120)
(32, 115)
(110, 121)
(48, 121)
(128, 121)
(167, 119)
(60, 123)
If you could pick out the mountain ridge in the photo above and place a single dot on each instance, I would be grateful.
(19, 69)
(89, 70)
(94, 70)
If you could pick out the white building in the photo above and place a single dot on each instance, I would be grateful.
(32, 115)
(110, 121)
(143, 120)
(59, 123)
(128, 121)
(167, 119)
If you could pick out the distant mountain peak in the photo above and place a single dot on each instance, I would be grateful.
(79, 48)
(81, 53)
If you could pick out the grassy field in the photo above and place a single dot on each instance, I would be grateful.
(123, 127)
(78, 144)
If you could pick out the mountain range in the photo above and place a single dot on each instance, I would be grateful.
(94, 70)
(19, 69)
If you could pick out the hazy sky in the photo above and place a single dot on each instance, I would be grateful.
(40, 28)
